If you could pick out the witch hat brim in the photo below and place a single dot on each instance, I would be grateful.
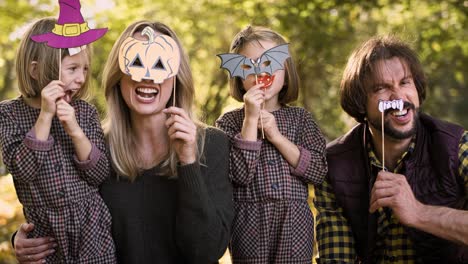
(59, 41)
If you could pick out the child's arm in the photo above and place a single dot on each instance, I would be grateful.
(22, 152)
(49, 95)
(288, 149)
(307, 157)
(253, 100)
(89, 143)
(66, 115)
(244, 154)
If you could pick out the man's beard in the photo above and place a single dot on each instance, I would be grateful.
(392, 131)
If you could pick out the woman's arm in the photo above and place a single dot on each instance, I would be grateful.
(205, 210)
(312, 166)
(95, 166)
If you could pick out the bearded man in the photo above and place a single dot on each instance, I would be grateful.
(412, 210)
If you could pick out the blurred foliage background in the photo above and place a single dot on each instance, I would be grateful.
(322, 33)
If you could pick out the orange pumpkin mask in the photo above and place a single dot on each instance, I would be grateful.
(157, 58)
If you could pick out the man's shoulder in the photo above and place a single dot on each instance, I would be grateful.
(436, 125)
(350, 141)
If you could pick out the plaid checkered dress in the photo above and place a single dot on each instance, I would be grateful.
(59, 193)
(273, 222)
(336, 241)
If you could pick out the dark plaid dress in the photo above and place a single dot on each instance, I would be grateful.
(59, 194)
(273, 222)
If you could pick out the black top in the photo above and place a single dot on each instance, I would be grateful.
(156, 219)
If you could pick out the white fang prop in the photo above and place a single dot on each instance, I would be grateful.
(395, 104)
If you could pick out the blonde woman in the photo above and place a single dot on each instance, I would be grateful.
(169, 193)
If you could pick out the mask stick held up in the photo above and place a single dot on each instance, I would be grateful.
(384, 105)
(263, 106)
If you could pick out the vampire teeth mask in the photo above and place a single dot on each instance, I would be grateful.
(395, 104)
(157, 58)
(270, 61)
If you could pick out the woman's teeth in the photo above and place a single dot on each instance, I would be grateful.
(147, 92)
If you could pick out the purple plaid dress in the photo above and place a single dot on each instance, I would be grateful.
(59, 194)
(273, 222)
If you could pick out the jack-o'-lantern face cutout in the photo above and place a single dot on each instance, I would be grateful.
(157, 58)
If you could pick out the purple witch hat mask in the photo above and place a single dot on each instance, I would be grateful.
(71, 30)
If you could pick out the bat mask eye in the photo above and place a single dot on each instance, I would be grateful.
(266, 63)
(246, 67)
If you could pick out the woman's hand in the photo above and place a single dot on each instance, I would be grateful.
(183, 134)
(49, 96)
(32, 250)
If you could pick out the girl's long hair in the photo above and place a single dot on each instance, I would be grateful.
(47, 61)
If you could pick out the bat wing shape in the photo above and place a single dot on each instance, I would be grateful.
(276, 57)
(237, 65)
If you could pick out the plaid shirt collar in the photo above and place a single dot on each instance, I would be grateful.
(374, 161)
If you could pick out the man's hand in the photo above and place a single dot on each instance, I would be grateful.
(393, 191)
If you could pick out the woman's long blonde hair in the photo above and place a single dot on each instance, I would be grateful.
(125, 158)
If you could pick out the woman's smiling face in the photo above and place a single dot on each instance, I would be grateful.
(145, 97)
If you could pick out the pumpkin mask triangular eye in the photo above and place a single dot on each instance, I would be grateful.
(136, 62)
(159, 65)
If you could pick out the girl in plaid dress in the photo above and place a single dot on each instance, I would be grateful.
(53, 145)
(273, 222)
